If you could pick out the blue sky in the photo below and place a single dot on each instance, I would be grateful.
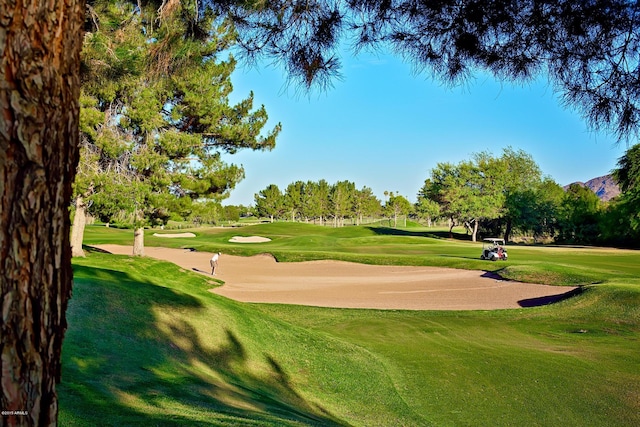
(384, 127)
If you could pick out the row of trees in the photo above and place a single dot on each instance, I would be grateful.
(508, 194)
(321, 202)
(499, 196)
(488, 195)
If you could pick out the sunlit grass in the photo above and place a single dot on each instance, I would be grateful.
(149, 345)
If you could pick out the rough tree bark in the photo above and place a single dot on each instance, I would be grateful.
(77, 232)
(40, 45)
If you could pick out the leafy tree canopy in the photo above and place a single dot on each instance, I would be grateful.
(579, 215)
(485, 189)
(396, 205)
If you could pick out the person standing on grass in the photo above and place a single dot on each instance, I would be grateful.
(214, 263)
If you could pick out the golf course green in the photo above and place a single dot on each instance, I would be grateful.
(148, 344)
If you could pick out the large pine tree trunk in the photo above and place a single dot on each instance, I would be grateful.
(77, 232)
(138, 241)
(40, 46)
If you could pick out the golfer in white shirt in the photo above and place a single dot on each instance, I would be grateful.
(214, 263)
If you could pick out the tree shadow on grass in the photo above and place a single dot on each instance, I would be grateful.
(389, 231)
(123, 364)
(88, 248)
(539, 301)
(492, 274)
(549, 299)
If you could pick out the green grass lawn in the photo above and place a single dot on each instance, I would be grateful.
(149, 345)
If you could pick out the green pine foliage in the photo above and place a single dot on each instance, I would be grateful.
(156, 115)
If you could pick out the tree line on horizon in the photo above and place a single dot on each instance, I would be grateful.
(509, 196)
(505, 196)
(323, 203)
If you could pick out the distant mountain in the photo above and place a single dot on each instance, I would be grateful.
(604, 186)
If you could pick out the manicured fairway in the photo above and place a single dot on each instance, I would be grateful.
(149, 345)
(412, 246)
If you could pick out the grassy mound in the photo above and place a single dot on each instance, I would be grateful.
(148, 344)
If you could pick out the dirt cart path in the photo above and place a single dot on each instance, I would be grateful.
(349, 285)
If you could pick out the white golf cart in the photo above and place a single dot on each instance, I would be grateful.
(493, 249)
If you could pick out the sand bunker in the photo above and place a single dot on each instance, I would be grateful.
(249, 239)
(350, 285)
(174, 235)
